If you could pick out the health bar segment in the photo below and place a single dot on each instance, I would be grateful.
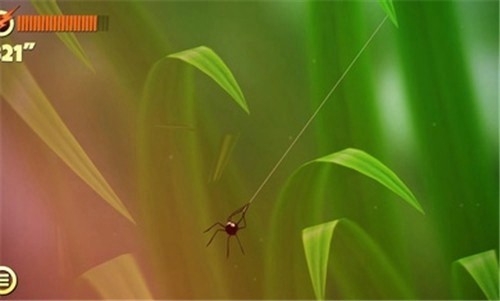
(80, 23)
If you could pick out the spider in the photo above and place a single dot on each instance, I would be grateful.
(231, 227)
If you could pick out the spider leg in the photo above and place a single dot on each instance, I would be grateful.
(213, 236)
(242, 219)
(241, 246)
(243, 209)
(227, 246)
(210, 228)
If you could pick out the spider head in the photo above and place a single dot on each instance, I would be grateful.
(231, 228)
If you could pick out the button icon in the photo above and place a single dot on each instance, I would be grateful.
(8, 280)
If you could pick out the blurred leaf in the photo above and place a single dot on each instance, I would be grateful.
(369, 166)
(317, 242)
(118, 278)
(207, 61)
(225, 150)
(27, 99)
(388, 7)
(483, 268)
(50, 7)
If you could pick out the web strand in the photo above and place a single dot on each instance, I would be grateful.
(313, 116)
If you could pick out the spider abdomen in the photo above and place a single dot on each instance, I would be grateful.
(231, 228)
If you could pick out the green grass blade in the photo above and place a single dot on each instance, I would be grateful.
(50, 7)
(483, 268)
(388, 7)
(207, 61)
(317, 241)
(366, 164)
(24, 95)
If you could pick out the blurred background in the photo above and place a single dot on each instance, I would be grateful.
(423, 98)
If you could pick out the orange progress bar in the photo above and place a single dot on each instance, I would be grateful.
(74, 23)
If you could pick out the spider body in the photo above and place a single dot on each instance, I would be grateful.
(231, 228)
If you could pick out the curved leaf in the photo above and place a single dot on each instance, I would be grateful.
(207, 61)
(483, 268)
(172, 170)
(369, 166)
(317, 242)
(388, 7)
